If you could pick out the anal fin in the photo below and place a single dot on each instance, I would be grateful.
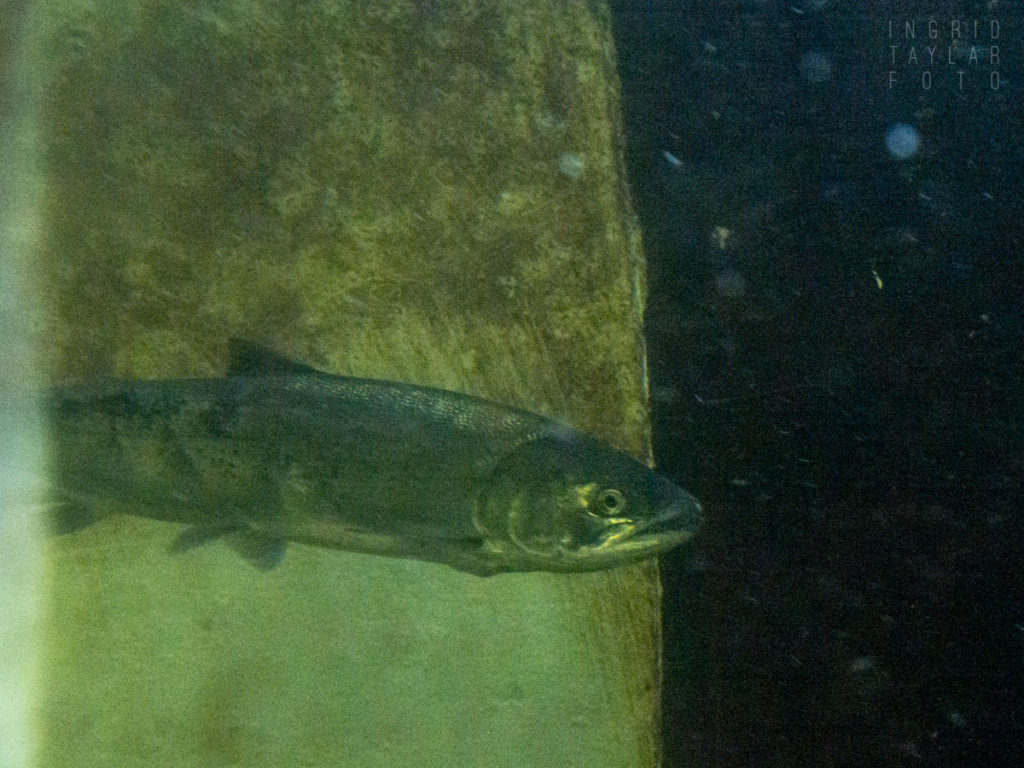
(70, 516)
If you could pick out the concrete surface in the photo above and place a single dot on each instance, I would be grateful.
(428, 191)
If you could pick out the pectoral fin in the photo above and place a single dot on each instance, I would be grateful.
(259, 550)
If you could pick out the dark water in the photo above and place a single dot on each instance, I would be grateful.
(835, 333)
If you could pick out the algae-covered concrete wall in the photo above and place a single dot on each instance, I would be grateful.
(422, 190)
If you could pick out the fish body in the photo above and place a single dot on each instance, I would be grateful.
(276, 452)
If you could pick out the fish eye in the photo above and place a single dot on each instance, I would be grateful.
(612, 500)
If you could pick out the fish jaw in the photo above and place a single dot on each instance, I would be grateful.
(579, 505)
(629, 542)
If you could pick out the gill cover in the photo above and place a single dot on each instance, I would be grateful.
(567, 502)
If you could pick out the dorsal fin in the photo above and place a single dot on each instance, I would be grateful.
(246, 358)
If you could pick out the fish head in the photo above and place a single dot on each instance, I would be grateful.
(567, 502)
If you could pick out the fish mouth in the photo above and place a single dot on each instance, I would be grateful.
(676, 523)
(683, 515)
(625, 540)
